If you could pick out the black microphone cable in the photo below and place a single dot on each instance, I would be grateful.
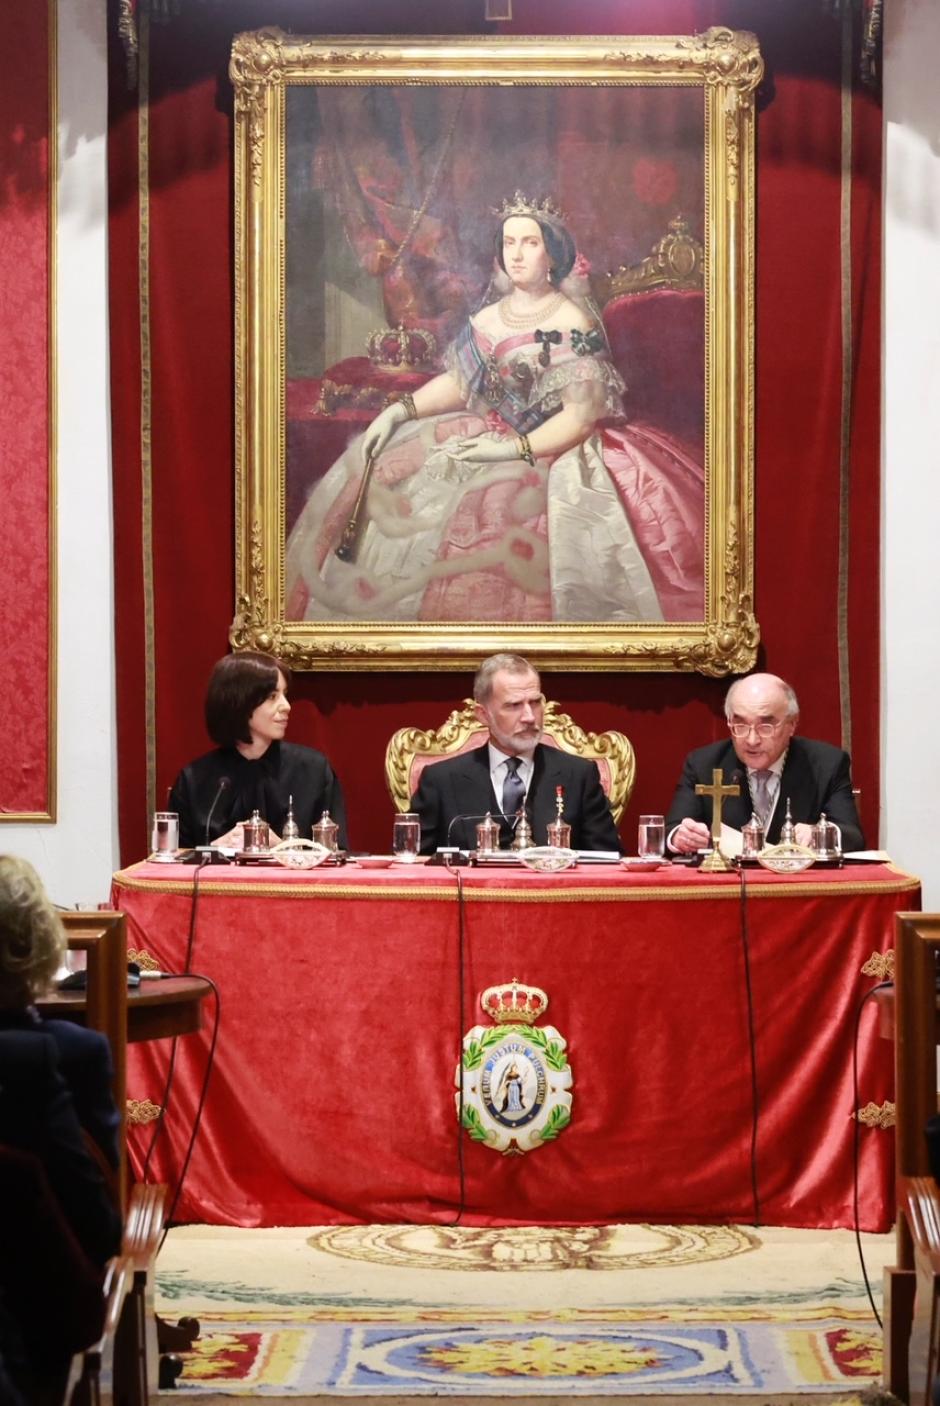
(856, 1143)
(752, 1043)
(187, 966)
(461, 1001)
(197, 1118)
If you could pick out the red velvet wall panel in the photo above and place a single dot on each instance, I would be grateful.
(170, 635)
(27, 568)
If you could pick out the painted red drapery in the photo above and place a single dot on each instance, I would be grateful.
(332, 1096)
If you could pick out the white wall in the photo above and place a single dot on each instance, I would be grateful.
(911, 491)
(77, 855)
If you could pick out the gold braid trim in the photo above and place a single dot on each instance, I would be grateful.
(141, 1111)
(880, 965)
(720, 888)
(143, 959)
(877, 1115)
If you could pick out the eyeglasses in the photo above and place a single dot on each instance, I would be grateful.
(762, 729)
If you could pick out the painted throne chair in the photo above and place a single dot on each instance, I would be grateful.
(411, 749)
(654, 314)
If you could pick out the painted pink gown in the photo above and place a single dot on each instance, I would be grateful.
(611, 530)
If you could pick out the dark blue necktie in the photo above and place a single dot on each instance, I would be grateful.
(513, 788)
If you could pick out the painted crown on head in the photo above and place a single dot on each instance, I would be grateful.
(514, 1001)
(535, 209)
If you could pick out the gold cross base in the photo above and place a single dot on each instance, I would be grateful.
(715, 863)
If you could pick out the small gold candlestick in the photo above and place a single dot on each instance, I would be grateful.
(291, 830)
(559, 831)
(716, 862)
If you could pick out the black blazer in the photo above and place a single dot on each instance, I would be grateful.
(265, 784)
(38, 1115)
(84, 1061)
(462, 786)
(816, 777)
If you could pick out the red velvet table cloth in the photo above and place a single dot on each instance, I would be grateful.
(332, 1095)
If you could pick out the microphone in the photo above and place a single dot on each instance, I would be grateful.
(224, 784)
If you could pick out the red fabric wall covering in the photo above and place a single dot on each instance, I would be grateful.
(27, 568)
(798, 411)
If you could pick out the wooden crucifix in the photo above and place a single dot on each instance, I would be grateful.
(716, 863)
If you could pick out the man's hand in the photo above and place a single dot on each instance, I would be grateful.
(804, 835)
(690, 837)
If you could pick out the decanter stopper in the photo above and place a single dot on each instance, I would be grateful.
(487, 835)
(291, 830)
(752, 838)
(788, 829)
(255, 834)
(326, 832)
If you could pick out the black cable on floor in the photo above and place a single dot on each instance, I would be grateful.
(197, 1119)
(752, 1044)
(856, 1144)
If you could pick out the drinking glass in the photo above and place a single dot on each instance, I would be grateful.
(165, 836)
(651, 838)
(406, 837)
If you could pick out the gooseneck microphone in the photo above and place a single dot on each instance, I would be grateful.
(224, 784)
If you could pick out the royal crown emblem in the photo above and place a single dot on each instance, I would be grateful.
(401, 348)
(514, 1079)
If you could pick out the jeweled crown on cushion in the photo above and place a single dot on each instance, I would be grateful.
(514, 1001)
(401, 348)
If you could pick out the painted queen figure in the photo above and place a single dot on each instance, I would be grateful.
(508, 488)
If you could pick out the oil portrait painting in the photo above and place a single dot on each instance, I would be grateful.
(494, 342)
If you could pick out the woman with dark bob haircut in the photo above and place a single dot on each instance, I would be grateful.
(252, 768)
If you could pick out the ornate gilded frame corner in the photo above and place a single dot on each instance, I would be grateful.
(452, 737)
(727, 67)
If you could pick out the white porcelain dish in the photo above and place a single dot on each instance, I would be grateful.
(640, 864)
(547, 859)
(375, 861)
(300, 854)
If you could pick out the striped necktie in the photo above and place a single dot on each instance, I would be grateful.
(513, 788)
(761, 780)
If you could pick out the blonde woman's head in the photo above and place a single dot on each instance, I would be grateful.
(32, 939)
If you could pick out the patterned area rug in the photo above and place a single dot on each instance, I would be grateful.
(589, 1311)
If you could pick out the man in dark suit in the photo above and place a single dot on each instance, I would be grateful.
(771, 766)
(512, 770)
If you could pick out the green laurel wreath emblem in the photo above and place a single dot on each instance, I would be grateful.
(551, 1050)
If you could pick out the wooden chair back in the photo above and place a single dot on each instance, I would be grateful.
(101, 936)
(910, 1360)
(411, 749)
(92, 1379)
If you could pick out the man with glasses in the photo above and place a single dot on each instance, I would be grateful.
(514, 769)
(771, 766)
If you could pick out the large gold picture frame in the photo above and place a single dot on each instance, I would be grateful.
(370, 176)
